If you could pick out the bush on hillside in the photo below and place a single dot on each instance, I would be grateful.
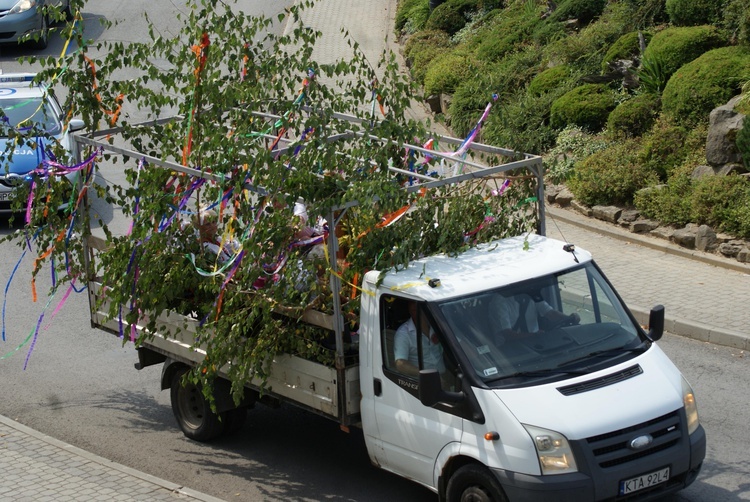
(649, 13)
(626, 47)
(585, 49)
(635, 116)
(422, 48)
(505, 78)
(664, 148)
(694, 12)
(446, 71)
(411, 15)
(668, 204)
(549, 80)
(723, 202)
(571, 145)
(737, 21)
(611, 176)
(583, 10)
(507, 33)
(521, 122)
(702, 85)
(587, 106)
(675, 47)
(743, 142)
(450, 16)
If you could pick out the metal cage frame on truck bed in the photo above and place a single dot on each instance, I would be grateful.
(333, 394)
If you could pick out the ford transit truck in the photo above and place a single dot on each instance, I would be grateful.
(584, 406)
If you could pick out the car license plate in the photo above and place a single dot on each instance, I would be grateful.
(643, 482)
(6, 195)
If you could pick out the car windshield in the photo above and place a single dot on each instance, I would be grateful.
(548, 328)
(23, 113)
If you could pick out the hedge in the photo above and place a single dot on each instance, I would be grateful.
(587, 106)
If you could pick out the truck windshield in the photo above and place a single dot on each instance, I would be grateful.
(544, 329)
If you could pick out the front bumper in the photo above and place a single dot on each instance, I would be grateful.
(584, 487)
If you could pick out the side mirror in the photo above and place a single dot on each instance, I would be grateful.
(656, 323)
(431, 389)
(76, 125)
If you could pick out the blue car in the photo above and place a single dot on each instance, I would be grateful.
(28, 17)
(22, 104)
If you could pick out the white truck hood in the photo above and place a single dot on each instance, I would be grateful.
(655, 392)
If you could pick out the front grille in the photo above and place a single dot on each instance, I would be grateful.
(604, 381)
(613, 448)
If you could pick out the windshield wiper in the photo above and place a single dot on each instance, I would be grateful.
(642, 347)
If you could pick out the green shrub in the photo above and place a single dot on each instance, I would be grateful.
(587, 106)
(413, 12)
(549, 80)
(664, 148)
(669, 204)
(610, 176)
(505, 78)
(737, 20)
(571, 145)
(422, 48)
(450, 16)
(507, 33)
(446, 71)
(652, 76)
(709, 81)
(743, 142)
(694, 12)
(583, 10)
(649, 13)
(586, 48)
(723, 202)
(626, 47)
(675, 47)
(635, 116)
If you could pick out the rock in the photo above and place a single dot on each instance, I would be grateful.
(628, 216)
(433, 101)
(721, 238)
(724, 124)
(731, 248)
(643, 226)
(662, 232)
(607, 213)
(731, 168)
(705, 239)
(564, 197)
(550, 193)
(685, 237)
(744, 255)
(581, 208)
(701, 171)
(445, 103)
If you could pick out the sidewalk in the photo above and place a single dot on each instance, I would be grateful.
(38, 468)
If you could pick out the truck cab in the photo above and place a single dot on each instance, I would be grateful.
(577, 405)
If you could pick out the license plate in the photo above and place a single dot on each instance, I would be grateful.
(6, 195)
(643, 482)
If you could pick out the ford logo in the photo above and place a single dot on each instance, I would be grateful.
(641, 442)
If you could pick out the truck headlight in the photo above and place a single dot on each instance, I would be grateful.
(691, 408)
(553, 449)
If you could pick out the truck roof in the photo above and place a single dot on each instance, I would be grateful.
(483, 267)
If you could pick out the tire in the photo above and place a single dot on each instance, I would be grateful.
(192, 411)
(43, 40)
(68, 12)
(474, 483)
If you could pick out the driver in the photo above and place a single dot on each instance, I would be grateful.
(521, 314)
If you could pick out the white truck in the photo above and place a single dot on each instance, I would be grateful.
(584, 406)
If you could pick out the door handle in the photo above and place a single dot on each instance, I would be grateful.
(377, 386)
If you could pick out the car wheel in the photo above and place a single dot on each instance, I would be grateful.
(474, 483)
(68, 12)
(41, 42)
(192, 411)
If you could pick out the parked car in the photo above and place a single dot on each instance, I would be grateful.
(24, 103)
(22, 17)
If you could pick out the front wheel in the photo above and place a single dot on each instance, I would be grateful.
(474, 483)
(192, 411)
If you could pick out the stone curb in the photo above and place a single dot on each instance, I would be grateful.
(682, 327)
(174, 488)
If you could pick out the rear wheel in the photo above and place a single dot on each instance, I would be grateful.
(192, 411)
(474, 483)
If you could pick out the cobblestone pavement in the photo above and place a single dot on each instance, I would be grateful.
(38, 468)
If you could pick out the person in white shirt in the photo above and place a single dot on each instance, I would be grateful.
(521, 314)
(405, 348)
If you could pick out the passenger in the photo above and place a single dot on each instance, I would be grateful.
(405, 349)
(521, 314)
